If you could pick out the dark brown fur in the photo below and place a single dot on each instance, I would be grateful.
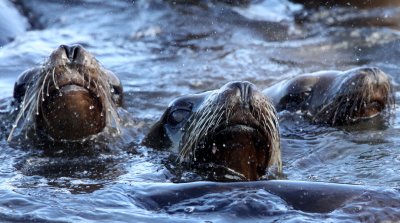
(234, 127)
(70, 97)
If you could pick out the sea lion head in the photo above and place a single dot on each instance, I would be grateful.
(235, 127)
(70, 97)
(338, 98)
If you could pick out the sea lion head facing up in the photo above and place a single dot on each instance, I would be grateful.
(70, 97)
(235, 127)
(334, 97)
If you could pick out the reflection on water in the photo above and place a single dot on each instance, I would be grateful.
(161, 50)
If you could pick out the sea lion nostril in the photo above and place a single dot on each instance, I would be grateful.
(72, 51)
(246, 91)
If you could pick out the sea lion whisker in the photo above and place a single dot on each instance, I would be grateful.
(112, 118)
(42, 86)
(26, 103)
(270, 122)
(48, 83)
(206, 119)
(54, 79)
(16, 122)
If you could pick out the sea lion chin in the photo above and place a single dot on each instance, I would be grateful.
(234, 127)
(69, 98)
(335, 97)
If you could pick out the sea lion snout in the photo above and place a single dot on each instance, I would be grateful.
(242, 92)
(71, 55)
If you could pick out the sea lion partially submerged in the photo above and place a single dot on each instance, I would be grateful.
(335, 97)
(234, 127)
(69, 98)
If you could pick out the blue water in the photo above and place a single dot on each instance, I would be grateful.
(161, 50)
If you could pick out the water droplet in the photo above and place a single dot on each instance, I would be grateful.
(91, 107)
(214, 149)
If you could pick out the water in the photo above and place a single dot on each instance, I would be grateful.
(161, 50)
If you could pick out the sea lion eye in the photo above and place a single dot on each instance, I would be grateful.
(178, 115)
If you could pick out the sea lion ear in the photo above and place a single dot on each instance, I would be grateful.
(24, 80)
(157, 137)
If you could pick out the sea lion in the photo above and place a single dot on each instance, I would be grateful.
(234, 127)
(311, 197)
(70, 97)
(335, 97)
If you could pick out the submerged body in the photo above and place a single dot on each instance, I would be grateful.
(234, 127)
(309, 197)
(69, 98)
(335, 97)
